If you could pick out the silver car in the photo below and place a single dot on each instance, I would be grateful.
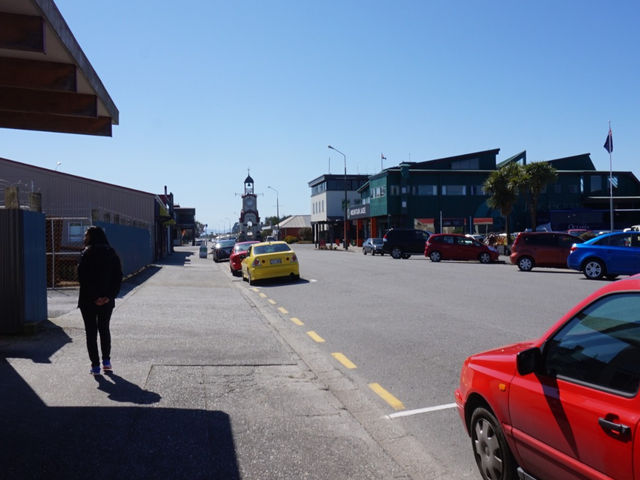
(372, 246)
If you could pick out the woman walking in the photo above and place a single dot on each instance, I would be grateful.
(100, 275)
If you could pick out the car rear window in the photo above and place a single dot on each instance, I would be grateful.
(541, 240)
(273, 248)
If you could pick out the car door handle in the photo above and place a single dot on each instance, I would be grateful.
(615, 427)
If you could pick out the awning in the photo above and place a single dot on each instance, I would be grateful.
(46, 81)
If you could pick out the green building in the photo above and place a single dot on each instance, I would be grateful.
(447, 194)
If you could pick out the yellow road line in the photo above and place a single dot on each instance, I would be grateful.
(386, 396)
(297, 321)
(263, 295)
(315, 336)
(344, 360)
(272, 302)
(255, 289)
(282, 310)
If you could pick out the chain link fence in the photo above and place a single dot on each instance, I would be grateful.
(64, 237)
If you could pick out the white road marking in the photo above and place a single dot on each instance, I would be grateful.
(406, 413)
(313, 280)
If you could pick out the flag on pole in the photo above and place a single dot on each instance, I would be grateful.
(608, 144)
(382, 157)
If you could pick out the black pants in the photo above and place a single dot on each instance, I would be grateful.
(96, 319)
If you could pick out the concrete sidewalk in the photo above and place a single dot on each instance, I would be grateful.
(205, 385)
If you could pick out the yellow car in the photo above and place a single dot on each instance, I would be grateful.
(270, 260)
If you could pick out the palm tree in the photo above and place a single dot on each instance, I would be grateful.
(502, 184)
(534, 178)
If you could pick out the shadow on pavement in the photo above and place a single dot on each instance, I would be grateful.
(133, 442)
(121, 390)
(39, 441)
(39, 346)
(108, 443)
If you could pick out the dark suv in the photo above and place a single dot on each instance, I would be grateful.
(542, 249)
(403, 242)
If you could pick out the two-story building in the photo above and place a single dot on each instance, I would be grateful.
(447, 194)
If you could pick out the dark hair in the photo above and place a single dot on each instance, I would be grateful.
(96, 236)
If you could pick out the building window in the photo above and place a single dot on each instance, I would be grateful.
(557, 188)
(478, 190)
(573, 188)
(469, 164)
(76, 232)
(394, 190)
(454, 190)
(427, 190)
(581, 184)
(596, 183)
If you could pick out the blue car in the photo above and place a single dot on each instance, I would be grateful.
(608, 255)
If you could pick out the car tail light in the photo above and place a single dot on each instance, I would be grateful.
(294, 258)
(256, 262)
(574, 247)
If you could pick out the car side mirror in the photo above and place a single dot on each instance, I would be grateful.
(529, 361)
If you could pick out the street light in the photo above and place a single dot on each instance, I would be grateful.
(277, 210)
(344, 222)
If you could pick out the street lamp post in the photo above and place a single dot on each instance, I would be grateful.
(277, 210)
(344, 238)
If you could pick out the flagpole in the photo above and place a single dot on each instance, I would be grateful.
(610, 183)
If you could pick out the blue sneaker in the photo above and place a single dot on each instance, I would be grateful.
(106, 366)
(95, 371)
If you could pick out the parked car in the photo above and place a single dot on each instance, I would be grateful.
(238, 254)
(453, 246)
(222, 249)
(608, 255)
(564, 406)
(542, 249)
(403, 242)
(203, 250)
(270, 260)
(372, 246)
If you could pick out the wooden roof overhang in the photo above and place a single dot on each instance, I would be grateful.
(46, 81)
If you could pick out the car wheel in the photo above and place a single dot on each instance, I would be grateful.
(594, 269)
(525, 264)
(435, 256)
(490, 448)
(484, 257)
(364, 252)
(251, 282)
(396, 253)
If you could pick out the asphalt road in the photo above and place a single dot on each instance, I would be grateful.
(406, 326)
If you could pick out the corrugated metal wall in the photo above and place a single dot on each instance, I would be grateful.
(133, 245)
(23, 287)
(66, 195)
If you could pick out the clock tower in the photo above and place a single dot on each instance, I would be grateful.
(249, 218)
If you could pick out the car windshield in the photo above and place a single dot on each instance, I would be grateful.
(376, 241)
(242, 247)
(273, 248)
(226, 243)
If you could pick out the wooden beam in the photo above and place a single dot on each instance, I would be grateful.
(16, 72)
(21, 32)
(55, 103)
(56, 123)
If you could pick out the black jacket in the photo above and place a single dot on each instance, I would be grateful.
(100, 275)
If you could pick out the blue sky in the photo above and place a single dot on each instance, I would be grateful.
(208, 89)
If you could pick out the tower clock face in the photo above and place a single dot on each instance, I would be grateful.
(250, 202)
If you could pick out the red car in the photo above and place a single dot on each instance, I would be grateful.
(564, 406)
(238, 254)
(454, 246)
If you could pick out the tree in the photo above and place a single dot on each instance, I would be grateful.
(502, 184)
(534, 178)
